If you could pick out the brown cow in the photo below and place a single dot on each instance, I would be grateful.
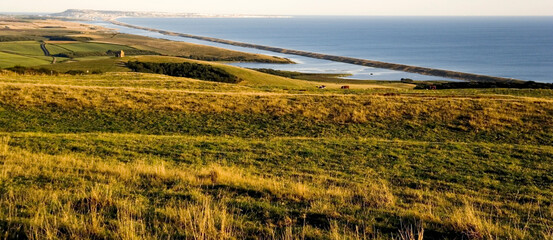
(345, 87)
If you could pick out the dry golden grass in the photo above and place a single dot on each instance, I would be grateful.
(82, 197)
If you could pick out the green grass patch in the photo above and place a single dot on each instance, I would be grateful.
(103, 64)
(27, 48)
(10, 60)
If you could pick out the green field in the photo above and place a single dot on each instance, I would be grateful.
(104, 64)
(27, 48)
(27, 53)
(57, 49)
(8, 60)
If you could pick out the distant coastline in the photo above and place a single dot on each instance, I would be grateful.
(86, 14)
(350, 60)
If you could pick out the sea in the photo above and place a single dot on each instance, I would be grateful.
(511, 47)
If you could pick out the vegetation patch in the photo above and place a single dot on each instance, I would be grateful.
(67, 38)
(189, 70)
(31, 71)
(18, 38)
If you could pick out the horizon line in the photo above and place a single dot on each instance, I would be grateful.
(260, 14)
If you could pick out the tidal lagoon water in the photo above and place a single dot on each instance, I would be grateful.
(512, 47)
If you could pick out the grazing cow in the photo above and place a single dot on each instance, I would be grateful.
(345, 87)
(321, 87)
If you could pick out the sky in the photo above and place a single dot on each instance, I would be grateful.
(299, 7)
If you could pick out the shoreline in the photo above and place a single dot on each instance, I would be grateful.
(350, 60)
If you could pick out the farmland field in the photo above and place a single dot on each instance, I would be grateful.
(10, 60)
(23, 48)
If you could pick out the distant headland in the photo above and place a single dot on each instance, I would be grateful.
(87, 14)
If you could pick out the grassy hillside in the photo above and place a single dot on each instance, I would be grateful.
(132, 155)
(127, 155)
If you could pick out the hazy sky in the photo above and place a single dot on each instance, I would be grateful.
(297, 7)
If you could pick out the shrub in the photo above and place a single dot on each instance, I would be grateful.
(406, 80)
(75, 72)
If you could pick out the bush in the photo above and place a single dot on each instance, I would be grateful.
(75, 72)
(407, 80)
(189, 70)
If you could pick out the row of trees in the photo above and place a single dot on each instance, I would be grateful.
(189, 70)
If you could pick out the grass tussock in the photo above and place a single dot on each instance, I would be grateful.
(76, 197)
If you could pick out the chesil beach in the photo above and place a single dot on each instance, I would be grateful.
(507, 47)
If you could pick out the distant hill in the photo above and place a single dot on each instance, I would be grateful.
(87, 14)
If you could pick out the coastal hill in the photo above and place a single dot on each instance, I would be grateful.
(88, 14)
(169, 142)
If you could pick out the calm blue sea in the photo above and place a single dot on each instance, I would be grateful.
(513, 47)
